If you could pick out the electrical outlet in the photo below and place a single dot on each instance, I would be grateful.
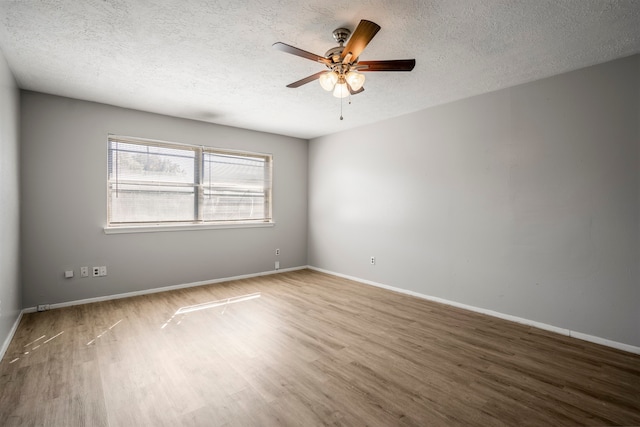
(96, 271)
(373, 260)
(84, 271)
(103, 270)
(43, 307)
(277, 251)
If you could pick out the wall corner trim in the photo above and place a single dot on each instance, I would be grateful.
(562, 331)
(7, 341)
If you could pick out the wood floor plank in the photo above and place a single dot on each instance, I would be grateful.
(304, 348)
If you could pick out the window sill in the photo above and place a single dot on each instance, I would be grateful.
(182, 227)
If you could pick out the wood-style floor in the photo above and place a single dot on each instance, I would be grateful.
(303, 349)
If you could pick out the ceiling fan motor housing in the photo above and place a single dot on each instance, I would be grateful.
(334, 54)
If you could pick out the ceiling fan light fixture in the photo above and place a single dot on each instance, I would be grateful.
(328, 80)
(355, 80)
(341, 90)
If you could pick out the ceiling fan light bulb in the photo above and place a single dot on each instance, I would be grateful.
(355, 80)
(341, 90)
(328, 80)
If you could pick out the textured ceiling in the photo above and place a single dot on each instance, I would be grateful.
(213, 60)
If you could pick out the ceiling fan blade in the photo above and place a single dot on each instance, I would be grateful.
(299, 52)
(306, 80)
(392, 65)
(360, 38)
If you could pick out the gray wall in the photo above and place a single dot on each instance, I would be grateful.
(10, 292)
(523, 201)
(64, 170)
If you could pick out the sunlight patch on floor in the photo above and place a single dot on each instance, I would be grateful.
(211, 304)
(34, 348)
(104, 332)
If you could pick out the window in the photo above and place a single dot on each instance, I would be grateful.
(159, 183)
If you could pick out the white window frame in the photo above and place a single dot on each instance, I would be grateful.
(198, 223)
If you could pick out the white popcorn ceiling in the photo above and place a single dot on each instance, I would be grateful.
(213, 61)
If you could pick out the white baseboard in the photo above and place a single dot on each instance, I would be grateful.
(579, 335)
(162, 289)
(7, 341)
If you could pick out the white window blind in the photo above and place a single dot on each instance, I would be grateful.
(153, 182)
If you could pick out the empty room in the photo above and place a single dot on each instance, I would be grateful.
(284, 213)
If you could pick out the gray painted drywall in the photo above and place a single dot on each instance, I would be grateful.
(523, 201)
(64, 170)
(10, 292)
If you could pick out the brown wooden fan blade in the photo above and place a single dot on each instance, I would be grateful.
(360, 39)
(299, 52)
(306, 80)
(392, 65)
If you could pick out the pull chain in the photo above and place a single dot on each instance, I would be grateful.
(342, 118)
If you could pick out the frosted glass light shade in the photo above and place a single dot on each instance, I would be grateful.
(328, 80)
(355, 80)
(341, 90)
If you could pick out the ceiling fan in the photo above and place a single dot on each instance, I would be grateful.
(344, 76)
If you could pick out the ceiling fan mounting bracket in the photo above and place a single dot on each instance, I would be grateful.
(341, 35)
